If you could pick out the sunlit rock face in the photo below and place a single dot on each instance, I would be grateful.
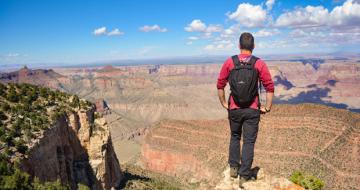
(77, 149)
(318, 139)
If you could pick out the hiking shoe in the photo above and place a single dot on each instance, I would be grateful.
(234, 172)
(242, 180)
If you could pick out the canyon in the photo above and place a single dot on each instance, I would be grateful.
(154, 113)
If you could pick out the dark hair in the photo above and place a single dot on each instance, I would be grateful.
(246, 41)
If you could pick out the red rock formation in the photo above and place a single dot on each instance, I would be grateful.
(313, 138)
(42, 77)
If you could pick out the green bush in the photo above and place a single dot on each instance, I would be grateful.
(97, 115)
(2, 89)
(82, 187)
(4, 106)
(44, 92)
(2, 131)
(26, 109)
(307, 181)
(3, 116)
(56, 185)
(75, 102)
(12, 97)
(21, 146)
(17, 180)
(11, 177)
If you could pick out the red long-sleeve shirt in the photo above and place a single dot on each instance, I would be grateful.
(264, 76)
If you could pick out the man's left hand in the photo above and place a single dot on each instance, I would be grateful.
(263, 110)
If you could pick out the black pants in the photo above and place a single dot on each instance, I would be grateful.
(246, 122)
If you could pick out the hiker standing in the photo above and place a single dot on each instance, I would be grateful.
(244, 72)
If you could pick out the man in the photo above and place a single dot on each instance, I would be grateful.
(243, 73)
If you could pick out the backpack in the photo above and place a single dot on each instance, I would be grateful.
(243, 80)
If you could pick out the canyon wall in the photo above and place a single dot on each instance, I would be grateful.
(76, 149)
(316, 139)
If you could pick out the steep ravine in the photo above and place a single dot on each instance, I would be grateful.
(76, 149)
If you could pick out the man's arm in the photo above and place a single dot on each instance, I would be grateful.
(266, 80)
(222, 81)
(269, 98)
(221, 94)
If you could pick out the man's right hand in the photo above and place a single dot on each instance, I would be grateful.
(225, 105)
(221, 94)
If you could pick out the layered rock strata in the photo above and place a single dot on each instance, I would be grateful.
(77, 149)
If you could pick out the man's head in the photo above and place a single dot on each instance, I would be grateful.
(246, 41)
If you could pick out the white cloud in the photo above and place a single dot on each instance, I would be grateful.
(276, 44)
(307, 32)
(347, 14)
(155, 27)
(103, 31)
(213, 28)
(144, 51)
(269, 4)
(249, 15)
(326, 35)
(230, 32)
(210, 47)
(13, 55)
(207, 35)
(115, 32)
(100, 31)
(311, 27)
(220, 45)
(196, 26)
(304, 17)
(193, 38)
(199, 26)
(267, 32)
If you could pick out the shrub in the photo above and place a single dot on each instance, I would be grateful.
(56, 185)
(85, 104)
(2, 131)
(2, 89)
(307, 181)
(75, 102)
(12, 97)
(44, 92)
(57, 114)
(18, 180)
(4, 106)
(3, 116)
(21, 146)
(82, 187)
(97, 115)
(11, 177)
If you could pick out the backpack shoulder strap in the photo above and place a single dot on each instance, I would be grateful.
(253, 60)
(236, 60)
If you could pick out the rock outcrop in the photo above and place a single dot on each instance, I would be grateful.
(317, 139)
(76, 149)
(264, 182)
(41, 77)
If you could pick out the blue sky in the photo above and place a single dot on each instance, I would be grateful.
(72, 32)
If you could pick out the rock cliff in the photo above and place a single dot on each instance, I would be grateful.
(52, 135)
(317, 139)
(76, 149)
